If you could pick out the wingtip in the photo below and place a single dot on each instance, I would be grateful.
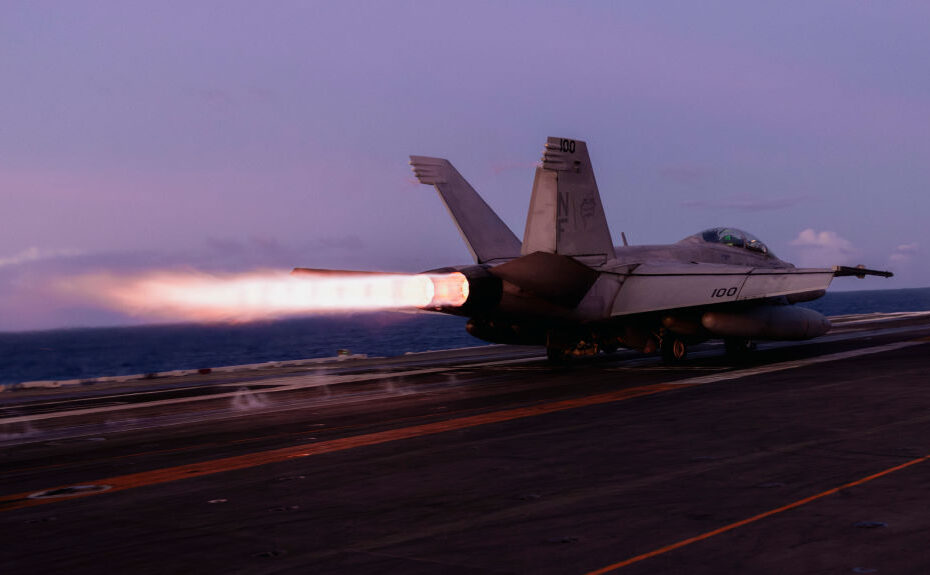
(428, 170)
(427, 160)
(859, 271)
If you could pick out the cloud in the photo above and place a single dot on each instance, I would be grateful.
(825, 248)
(238, 254)
(904, 253)
(745, 203)
(28, 300)
(823, 240)
(30, 281)
(249, 246)
(33, 254)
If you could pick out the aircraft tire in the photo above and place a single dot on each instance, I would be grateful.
(673, 350)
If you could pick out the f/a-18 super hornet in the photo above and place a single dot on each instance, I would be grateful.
(568, 288)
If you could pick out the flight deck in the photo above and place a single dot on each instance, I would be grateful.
(803, 457)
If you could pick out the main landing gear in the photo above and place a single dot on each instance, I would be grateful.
(673, 350)
(557, 355)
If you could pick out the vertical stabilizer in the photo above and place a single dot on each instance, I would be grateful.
(566, 216)
(487, 237)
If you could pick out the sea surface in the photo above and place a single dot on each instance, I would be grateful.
(80, 353)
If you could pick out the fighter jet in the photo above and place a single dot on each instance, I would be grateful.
(568, 288)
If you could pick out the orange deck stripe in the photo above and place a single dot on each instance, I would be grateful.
(754, 518)
(168, 474)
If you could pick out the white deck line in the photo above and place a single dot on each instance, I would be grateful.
(785, 365)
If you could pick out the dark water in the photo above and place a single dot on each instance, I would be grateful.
(94, 352)
(871, 301)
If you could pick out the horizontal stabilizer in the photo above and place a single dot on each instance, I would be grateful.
(321, 273)
(555, 278)
(486, 235)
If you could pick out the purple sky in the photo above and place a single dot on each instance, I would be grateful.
(229, 136)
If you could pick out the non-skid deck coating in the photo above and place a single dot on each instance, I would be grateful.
(806, 458)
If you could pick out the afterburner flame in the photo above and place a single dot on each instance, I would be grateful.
(243, 297)
(449, 290)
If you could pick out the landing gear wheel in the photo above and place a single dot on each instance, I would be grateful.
(673, 350)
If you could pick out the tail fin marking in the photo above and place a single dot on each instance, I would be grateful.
(566, 216)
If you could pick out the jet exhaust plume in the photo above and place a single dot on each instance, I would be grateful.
(265, 295)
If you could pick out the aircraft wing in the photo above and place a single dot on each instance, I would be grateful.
(656, 287)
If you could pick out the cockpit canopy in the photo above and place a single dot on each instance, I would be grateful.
(736, 238)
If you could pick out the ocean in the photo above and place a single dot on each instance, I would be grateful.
(79, 353)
